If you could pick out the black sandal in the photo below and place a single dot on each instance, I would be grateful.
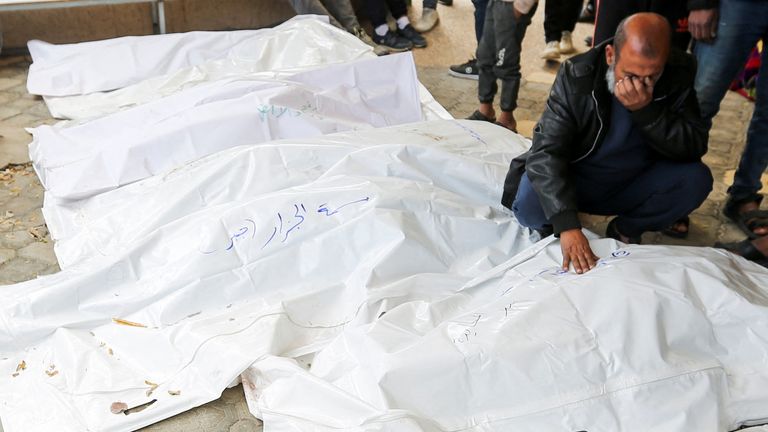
(749, 221)
(672, 232)
(745, 249)
(612, 232)
(477, 115)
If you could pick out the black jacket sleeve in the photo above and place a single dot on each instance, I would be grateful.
(547, 165)
(674, 128)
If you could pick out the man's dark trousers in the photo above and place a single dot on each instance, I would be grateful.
(651, 201)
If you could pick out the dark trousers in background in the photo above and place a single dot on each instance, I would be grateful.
(480, 6)
(651, 201)
(498, 53)
(340, 12)
(376, 10)
(742, 23)
(611, 12)
(560, 16)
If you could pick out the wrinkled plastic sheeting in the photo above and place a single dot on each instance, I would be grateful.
(653, 339)
(471, 159)
(178, 312)
(298, 44)
(106, 153)
(87, 67)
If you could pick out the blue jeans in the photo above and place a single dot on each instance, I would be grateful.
(651, 201)
(742, 23)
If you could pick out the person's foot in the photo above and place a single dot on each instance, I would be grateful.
(679, 229)
(467, 70)
(363, 36)
(445, 2)
(412, 35)
(484, 113)
(566, 43)
(428, 20)
(746, 214)
(552, 51)
(758, 225)
(393, 42)
(478, 115)
(753, 250)
(507, 120)
(587, 13)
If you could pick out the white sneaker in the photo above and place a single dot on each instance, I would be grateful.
(552, 51)
(428, 20)
(566, 44)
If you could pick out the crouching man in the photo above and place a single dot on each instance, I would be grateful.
(621, 135)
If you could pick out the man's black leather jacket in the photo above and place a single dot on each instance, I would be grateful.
(576, 120)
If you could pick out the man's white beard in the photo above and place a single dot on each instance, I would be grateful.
(610, 78)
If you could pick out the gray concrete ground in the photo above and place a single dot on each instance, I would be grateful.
(26, 250)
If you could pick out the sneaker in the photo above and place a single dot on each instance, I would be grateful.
(429, 19)
(552, 51)
(393, 41)
(566, 44)
(363, 36)
(467, 70)
(445, 2)
(412, 35)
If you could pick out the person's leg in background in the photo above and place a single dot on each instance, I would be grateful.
(469, 68)
(741, 24)
(560, 18)
(609, 15)
(376, 11)
(314, 7)
(344, 13)
(399, 11)
(486, 57)
(509, 34)
(571, 11)
(429, 17)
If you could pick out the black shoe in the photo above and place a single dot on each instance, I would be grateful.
(393, 41)
(588, 41)
(587, 14)
(478, 116)
(445, 2)
(412, 35)
(467, 70)
(612, 232)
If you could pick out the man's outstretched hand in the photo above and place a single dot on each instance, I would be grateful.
(576, 251)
